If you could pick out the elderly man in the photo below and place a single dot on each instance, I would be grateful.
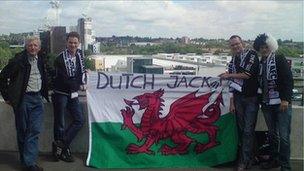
(243, 75)
(22, 83)
(276, 84)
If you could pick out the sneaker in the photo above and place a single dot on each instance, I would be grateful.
(241, 167)
(66, 155)
(57, 148)
(33, 168)
(248, 165)
(270, 164)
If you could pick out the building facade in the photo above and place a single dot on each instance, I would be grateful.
(84, 28)
(57, 39)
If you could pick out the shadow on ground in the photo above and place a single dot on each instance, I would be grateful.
(9, 162)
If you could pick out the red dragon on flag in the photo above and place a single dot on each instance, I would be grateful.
(185, 115)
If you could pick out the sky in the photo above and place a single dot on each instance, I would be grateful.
(195, 19)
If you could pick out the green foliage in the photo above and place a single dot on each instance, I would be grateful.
(5, 55)
(15, 38)
(289, 52)
(89, 64)
(88, 52)
(287, 48)
(16, 50)
(50, 59)
(152, 49)
(4, 44)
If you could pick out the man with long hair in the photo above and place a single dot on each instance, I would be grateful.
(276, 84)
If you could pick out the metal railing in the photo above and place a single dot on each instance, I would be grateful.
(298, 93)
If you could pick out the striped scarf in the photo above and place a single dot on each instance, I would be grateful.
(268, 82)
(71, 64)
(236, 84)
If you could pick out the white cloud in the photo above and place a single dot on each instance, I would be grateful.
(209, 19)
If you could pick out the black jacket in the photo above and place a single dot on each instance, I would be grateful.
(285, 78)
(250, 67)
(15, 75)
(63, 82)
(284, 81)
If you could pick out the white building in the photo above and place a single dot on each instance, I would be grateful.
(167, 55)
(120, 66)
(185, 40)
(84, 28)
(144, 43)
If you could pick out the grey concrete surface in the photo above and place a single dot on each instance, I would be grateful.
(80, 144)
(8, 132)
(9, 162)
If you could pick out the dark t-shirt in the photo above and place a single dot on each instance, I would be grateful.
(250, 66)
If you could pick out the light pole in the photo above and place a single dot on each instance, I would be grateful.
(56, 5)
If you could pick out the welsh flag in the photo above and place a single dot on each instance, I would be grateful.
(159, 121)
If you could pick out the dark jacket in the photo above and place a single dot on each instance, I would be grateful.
(284, 81)
(63, 82)
(15, 75)
(285, 78)
(250, 68)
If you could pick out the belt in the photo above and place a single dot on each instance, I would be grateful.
(33, 93)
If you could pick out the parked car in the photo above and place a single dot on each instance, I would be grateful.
(296, 94)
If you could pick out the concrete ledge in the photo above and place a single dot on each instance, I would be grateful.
(80, 144)
(8, 140)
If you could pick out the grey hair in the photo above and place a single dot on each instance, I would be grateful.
(272, 43)
(265, 39)
(29, 39)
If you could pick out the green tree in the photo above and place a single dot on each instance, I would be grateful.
(5, 55)
(88, 52)
(4, 44)
(51, 59)
(280, 42)
(16, 50)
(89, 64)
(289, 52)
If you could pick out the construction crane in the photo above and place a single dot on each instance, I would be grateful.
(56, 5)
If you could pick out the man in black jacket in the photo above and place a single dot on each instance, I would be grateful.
(22, 82)
(276, 84)
(69, 68)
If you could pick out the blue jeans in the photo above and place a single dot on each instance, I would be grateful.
(61, 103)
(28, 120)
(279, 126)
(246, 116)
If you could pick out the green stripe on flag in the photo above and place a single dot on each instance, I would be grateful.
(109, 142)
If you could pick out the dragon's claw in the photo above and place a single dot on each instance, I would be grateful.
(140, 138)
(167, 150)
(127, 115)
(133, 111)
(199, 148)
(135, 149)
